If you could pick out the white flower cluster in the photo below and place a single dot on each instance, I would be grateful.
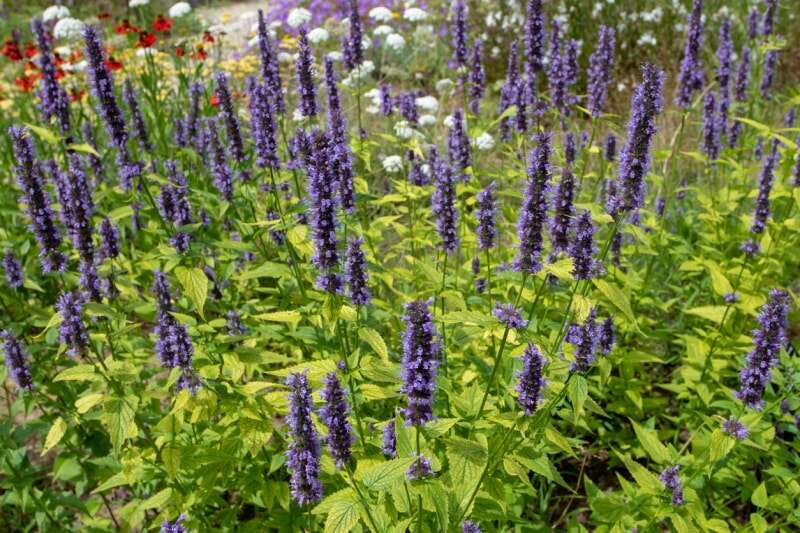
(359, 73)
(392, 164)
(180, 9)
(68, 29)
(138, 3)
(298, 17)
(55, 13)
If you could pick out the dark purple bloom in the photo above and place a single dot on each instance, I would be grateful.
(711, 135)
(355, 272)
(600, 64)
(761, 212)
(15, 360)
(321, 185)
(304, 66)
(470, 527)
(523, 93)
(77, 207)
(509, 315)
(13, 270)
(585, 337)
(796, 169)
(724, 72)
(564, 210)
(228, 112)
(558, 71)
(767, 342)
(387, 105)
(767, 79)
(635, 156)
(531, 380)
(508, 93)
(173, 347)
(769, 17)
(262, 125)
(570, 149)
(735, 429)
(731, 297)
(233, 325)
(458, 146)
(477, 78)
(270, 72)
(443, 203)
(341, 156)
(55, 102)
(421, 352)
(355, 45)
(389, 447)
(223, 177)
(610, 150)
(743, 75)
(419, 469)
(131, 99)
(417, 174)
(174, 527)
(29, 176)
(534, 38)
(750, 247)
(303, 454)
(72, 331)
(460, 34)
(691, 77)
(407, 102)
(752, 22)
(334, 415)
(487, 217)
(193, 126)
(533, 216)
(671, 480)
(606, 336)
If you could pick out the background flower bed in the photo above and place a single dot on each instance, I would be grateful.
(174, 386)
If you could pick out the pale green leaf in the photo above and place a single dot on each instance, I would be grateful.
(375, 341)
(195, 285)
(55, 434)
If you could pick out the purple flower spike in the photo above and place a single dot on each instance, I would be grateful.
(635, 156)
(174, 527)
(421, 353)
(460, 34)
(509, 315)
(610, 149)
(131, 99)
(767, 342)
(724, 73)
(768, 78)
(534, 208)
(334, 416)
(534, 37)
(13, 270)
(29, 176)
(262, 125)
(586, 339)
(304, 67)
(477, 78)
(109, 239)
(769, 17)
(458, 146)
(470, 527)
(15, 360)
(228, 112)
(303, 454)
(355, 272)
(419, 469)
(389, 447)
(387, 104)
(564, 210)
(444, 208)
(72, 331)
(606, 336)
(671, 480)
(762, 210)
(531, 380)
(600, 64)
(270, 71)
(752, 22)
(55, 102)
(711, 135)
(355, 46)
(223, 177)
(691, 77)
(487, 217)
(735, 429)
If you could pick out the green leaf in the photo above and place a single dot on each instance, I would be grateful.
(119, 420)
(759, 497)
(288, 317)
(644, 478)
(375, 341)
(558, 440)
(171, 455)
(618, 298)
(342, 517)
(471, 450)
(713, 313)
(255, 434)
(116, 480)
(156, 500)
(721, 444)
(468, 317)
(195, 285)
(649, 441)
(265, 270)
(719, 282)
(85, 148)
(55, 434)
(384, 475)
(43, 133)
(578, 391)
(759, 523)
(78, 373)
(85, 403)
(562, 269)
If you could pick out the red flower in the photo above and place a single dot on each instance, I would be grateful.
(26, 83)
(31, 50)
(30, 66)
(201, 54)
(104, 15)
(162, 24)
(207, 37)
(145, 40)
(60, 73)
(214, 100)
(11, 50)
(76, 94)
(112, 64)
(57, 59)
(126, 27)
(75, 56)
(179, 51)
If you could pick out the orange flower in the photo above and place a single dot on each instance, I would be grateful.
(126, 27)
(207, 37)
(112, 64)
(214, 100)
(162, 23)
(11, 50)
(179, 51)
(201, 54)
(26, 83)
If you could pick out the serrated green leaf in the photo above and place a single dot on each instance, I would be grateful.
(618, 298)
(759, 497)
(288, 317)
(652, 446)
(83, 147)
(85, 403)
(78, 373)
(171, 455)
(384, 475)
(375, 341)
(713, 313)
(157, 500)
(55, 434)
(342, 517)
(255, 434)
(119, 420)
(195, 285)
